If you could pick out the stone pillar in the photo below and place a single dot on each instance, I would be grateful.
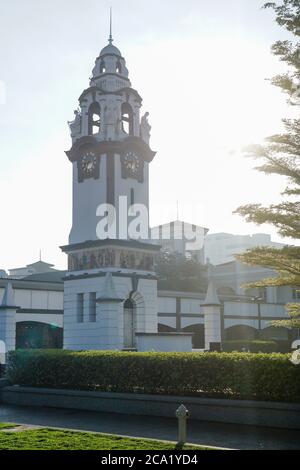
(212, 319)
(8, 311)
(110, 315)
(84, 119)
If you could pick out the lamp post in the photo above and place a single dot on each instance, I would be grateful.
(258, 301)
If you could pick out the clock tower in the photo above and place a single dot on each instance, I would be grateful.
(110, 292)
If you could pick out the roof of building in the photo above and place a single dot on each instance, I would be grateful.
(52, 276)
(39, 264)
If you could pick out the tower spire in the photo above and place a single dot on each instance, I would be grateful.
(110, 39)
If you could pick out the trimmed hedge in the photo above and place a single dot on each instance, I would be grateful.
(232, 375)
(254, 346)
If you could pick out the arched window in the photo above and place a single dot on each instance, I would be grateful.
(118, 67)
(102, 66)
(241, 332)
(94, 117)
(38, 335)
(129, 304)
(127, 119)
(274, 333)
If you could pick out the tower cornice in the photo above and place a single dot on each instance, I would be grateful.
(134, 244)
(130, 143)
(97, 89)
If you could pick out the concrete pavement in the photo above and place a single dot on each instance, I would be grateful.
(213, 434)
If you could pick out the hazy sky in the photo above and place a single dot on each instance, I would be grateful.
(201, 67)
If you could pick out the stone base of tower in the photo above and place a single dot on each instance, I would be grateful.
(114, 308)
(94, 319)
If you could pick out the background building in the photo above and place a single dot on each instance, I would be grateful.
(230, 278)
(33, 268)
(220, 248)
(176, 236)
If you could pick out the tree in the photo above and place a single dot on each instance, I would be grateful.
(281, 155)
(177, 272)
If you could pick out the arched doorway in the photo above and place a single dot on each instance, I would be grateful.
(38, 335)
(129, 324)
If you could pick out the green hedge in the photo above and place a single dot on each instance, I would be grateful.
(254, 346)
(233, 375)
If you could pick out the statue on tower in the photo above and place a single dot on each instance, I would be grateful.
(75, 126)
(145, 128)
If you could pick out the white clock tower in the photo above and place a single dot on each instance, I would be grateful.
(110, 292)
(111, 288)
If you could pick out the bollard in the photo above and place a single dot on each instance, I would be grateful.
(182, 414)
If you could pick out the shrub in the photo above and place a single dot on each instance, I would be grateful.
(254, 346)
(283, 345)
(2, 370)
(232, 375)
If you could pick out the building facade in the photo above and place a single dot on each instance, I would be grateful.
(39, 314)
(220, 248)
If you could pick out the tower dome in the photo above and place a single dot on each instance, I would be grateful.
(111, 50)
(110, 72)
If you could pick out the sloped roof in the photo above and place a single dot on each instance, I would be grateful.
(51, 276)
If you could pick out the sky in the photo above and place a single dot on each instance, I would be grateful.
(201, 68)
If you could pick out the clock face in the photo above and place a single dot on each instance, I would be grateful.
(132, 163)
(88, 164)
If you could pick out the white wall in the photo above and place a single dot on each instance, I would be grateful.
(164, 343)
(166, 304)
(37, 299)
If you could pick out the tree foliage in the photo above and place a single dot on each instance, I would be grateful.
(177, 272)
(280, 155)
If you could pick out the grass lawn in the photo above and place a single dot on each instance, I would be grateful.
(53, 439)
(7, 426)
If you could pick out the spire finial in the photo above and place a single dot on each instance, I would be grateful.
(110, 39)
